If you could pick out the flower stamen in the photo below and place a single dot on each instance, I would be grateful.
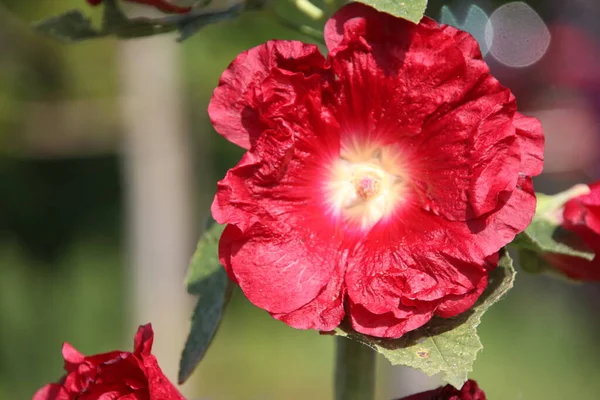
(367, 187)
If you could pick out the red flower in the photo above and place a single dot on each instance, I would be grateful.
(581, 216)
(376, 181)
(161, 5)
(469, 391)
(114, 375)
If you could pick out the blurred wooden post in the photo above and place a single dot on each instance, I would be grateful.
(159, 187)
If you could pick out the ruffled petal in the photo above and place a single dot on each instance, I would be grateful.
(531, 142)
(386, 325)
(484, 236)
(393, 279)
(280, 270)
(234, 107)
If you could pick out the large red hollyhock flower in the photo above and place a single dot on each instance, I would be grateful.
(469, 391)
(161, 5)
(114, 375)
(377, 181)
(581, 216)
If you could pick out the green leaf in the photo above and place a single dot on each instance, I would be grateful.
(444, 345)
(72, 26)
(206, 278)
(190, 26)
(411, 10)
(545, 234)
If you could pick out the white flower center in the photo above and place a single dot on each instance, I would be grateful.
(364, 185)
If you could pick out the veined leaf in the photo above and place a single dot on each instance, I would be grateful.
(411, 10)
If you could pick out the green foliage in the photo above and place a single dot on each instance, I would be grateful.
(73, 26)
(545, 235)
(411, 10)
(444, 345)
(207, 279)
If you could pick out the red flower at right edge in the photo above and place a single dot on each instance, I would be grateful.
(377, 182)
(581, 216)
(469, 391)
(114, 375)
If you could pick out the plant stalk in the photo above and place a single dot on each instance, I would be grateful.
(354, 370)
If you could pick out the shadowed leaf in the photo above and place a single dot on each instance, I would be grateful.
(207, 279)
(72, 26)
(545, 235)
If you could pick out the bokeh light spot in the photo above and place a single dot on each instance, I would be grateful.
(516, 35)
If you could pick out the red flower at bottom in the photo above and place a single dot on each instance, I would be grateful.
(114, 375)
(161, 5)
(469, 391)
(581, 217)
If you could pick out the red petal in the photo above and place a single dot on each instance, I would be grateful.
(401, 286)
(582, 215)
(53, 392)
(234, 106)
(531, 141)
(248, 194)
(229, 235)
(144, 337)
(325, 312)
(575, 267)
(159, 386)
(386, 325)
(280, 270)
(487, 234)
(72, 357)
(277, 246)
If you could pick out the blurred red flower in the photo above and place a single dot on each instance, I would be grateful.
(114, 375)
(581, 216)
(469, 391)
(162, 5)
(376, 181)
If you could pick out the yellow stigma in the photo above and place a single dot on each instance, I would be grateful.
(365, 185)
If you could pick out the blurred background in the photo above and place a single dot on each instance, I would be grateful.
(108, 165)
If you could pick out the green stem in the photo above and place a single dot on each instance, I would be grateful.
(354, 370)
